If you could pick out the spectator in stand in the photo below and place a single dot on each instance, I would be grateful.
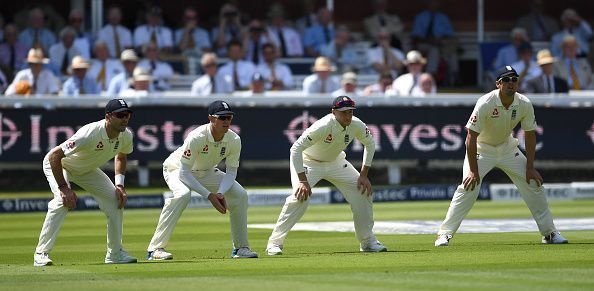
(41, 81)
(319, 34)
(405, 84)
(278, 76)
(309, 18)
(36, 35)
(239, 71)
(526, 66)
(381, 21)
(79, 83)
(253, 41)
(384, 57)
(540, 27)
(573, 25)
(576, 71)
(285, 38)
(192, 39)
(161, 71)
(341, 50)
(426, 86)
(257, 87)
(12, 52)
(114, 34)
(140, 84)
(119, 83)
(433, 35)
(321, 81)
(3, 82)
(348, 86)
(546, 82)
(509, 53)
(229, 29)
(211, 82)
(62, 53)
(83, 38)
(103, 68)
(154, 31)
(382, 87)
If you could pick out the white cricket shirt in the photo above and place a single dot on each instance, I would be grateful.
(495, 123)
(89, 148)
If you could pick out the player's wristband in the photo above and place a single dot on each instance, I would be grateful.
(119, 179)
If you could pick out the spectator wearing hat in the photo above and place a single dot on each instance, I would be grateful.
(540, 27)
(382, 20)
(321, 81)
(573, 25)
(406, 83)
(348, 86)
(12, 52)
(341, 50)
(36, 35)
(192, 39)
(284, 37)
(119, 83)
(103, 68)
(211, 82)
(229, 29)
(278, 75)
(509, 53)
(79, 83)
(320, 34)
(41, 81)
(83, 38)
(384, 57)
(140, 83)
(576, 71)
(160, 70)
(526, 66)
(257, 87)
(114, 34)
(546, 82)
(383, 85)
(237, 70)
(153, 31)
(426, 86)
(62, 53)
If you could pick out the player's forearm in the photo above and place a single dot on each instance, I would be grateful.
(120, 165)
(471, 152)
(364, 171)
(530, 141)
(368, 154)
(55, 160)
(228, 180)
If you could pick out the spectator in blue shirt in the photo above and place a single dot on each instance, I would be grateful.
(509, 53)
(79, 84)
(341, 51)
(36, 35)
(320, 34)
(574, 25)
(192, 39)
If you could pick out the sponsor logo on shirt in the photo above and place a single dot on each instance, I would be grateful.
(205, 149)
(367, 132)
(71, 144)
(187, 154)
(328, 138)
(473, 119)
(99, 146)
(495, 113)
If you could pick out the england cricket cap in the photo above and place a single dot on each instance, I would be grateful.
(116, 105)
(219, 107)
(506, 71)
(343, 103)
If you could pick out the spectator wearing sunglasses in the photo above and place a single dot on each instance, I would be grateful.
(78, 160)
(193, 167)
(319, 154)
(490, 144)
(210, 82)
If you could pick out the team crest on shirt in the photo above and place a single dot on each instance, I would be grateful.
(223, 150)
(71, 144)
(347, 138)
(205, 149)
(495, 113)
(328, 138)
(187, 154)
(99, 146)
(513, 115)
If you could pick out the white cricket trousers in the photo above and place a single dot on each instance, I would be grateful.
(512, 161)
(342, 175)
(101, 188)
(236, 198)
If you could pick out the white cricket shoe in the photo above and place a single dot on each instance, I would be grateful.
(42, 259)
(242, 253)
(120, 257)
(159, 254)
(373, 247)
(274, 250)
(554, 238)
(443, 240)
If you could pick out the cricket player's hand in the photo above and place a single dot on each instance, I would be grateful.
(533, 174)
(303, 191)
(218, 202)
(122, 196)
(68, 197)
(364, 185)
(471, 181)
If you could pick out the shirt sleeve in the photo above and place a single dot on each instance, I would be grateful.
(232, 160)
(307, 139)
(228, 180)
(78, 141)
(475, 123)
(186, 177)
(190, 151)
(529, 120)
(127, 147)
(365, 137)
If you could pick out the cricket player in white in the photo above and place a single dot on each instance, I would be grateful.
(489, 144)
(319, 154)
(193, 167)
(78, 160)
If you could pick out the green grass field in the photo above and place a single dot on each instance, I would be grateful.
(312, 260)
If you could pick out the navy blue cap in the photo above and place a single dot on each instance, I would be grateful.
(258, 77)
(506, 71)
(116, 105)
(219, 107)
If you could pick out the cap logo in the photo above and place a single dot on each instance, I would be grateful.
(509, 68)
(225, 105)
(122, 102)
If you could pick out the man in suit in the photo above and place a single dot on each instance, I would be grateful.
(576, 71)
(383, 20)
(545, 82)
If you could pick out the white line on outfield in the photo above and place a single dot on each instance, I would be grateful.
(431, 226)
